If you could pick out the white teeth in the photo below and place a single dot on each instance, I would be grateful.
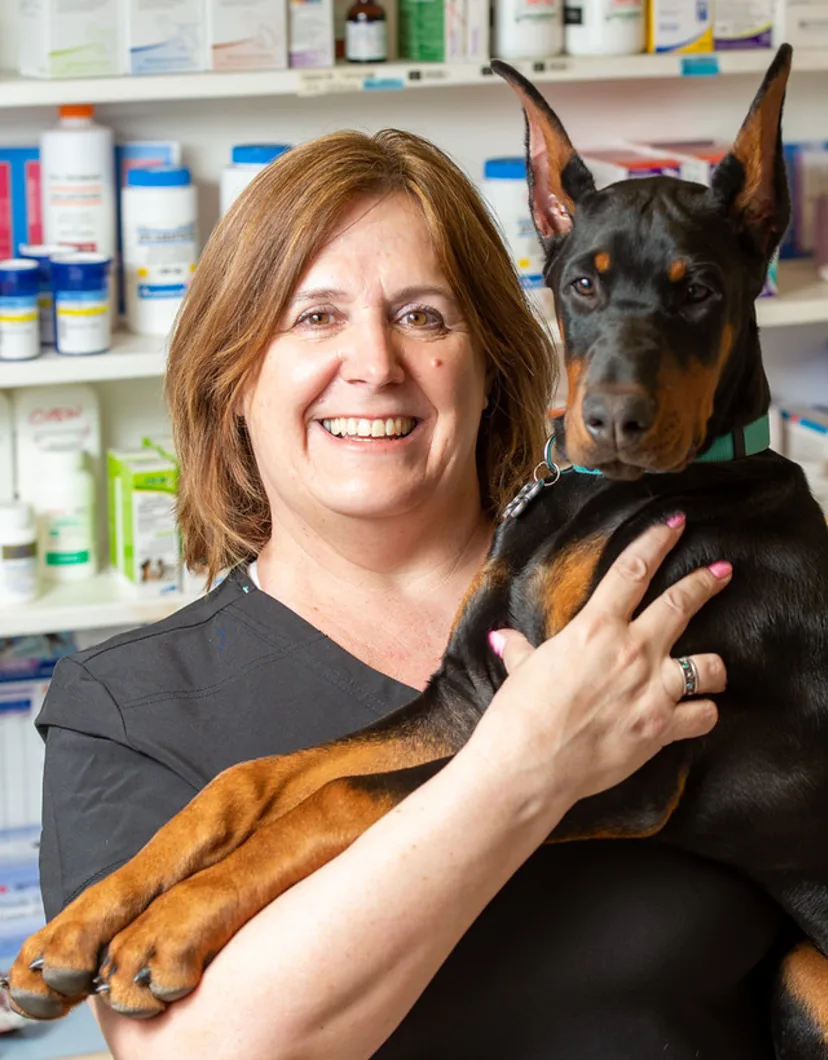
(349, 426)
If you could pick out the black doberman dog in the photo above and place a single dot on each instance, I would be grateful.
(655, 282)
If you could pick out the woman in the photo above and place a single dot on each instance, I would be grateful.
(356, 389)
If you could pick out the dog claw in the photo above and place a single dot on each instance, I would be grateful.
(67, 982)
(36, 965)
(101, 988)
(144, 977)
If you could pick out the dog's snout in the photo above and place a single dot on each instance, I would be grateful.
(619, 420)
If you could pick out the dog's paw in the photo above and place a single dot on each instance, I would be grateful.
(55, 969)
(159, 958)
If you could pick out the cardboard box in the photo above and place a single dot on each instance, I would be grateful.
(611, 164)
(59, 39)
(166, 38)
(697, 158)
(741, 24)
(310, 33)
(143, 533)
(802, 23)
(246, 35)
(680, 26)
(21, 210)
(433, 30)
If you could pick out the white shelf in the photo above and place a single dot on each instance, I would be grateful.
(29, 92)
(131, 357)
(802, 298)
(106, 600)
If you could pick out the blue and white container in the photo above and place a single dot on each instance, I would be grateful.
(506, 191)
(19, 327)
(248, 161)
(80, 288)
(160, 250)
(41, 253)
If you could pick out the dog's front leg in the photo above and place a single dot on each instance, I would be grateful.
(57, 966)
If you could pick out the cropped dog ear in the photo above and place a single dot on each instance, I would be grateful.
(558, 176)
(750, 182)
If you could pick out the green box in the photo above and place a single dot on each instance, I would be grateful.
(143, 533)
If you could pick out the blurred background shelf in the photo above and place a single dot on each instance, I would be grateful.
(105, 600)
(18, 91)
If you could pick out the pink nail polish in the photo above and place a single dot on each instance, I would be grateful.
(497, 642)
(677, 520)
(720, 569)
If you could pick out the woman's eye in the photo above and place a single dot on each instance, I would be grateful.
(317, 318)
(697, 292)
(421, 318)
(583, 286)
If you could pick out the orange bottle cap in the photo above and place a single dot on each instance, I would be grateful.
(76, 110)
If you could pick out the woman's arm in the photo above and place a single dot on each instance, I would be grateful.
(333, 966)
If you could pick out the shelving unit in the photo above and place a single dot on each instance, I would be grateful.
(28, 92)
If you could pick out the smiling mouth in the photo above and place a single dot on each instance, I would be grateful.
(356, 427)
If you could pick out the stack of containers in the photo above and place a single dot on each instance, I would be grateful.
(505, 189)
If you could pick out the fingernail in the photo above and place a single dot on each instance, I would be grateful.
(497, 642)
(721, 568)
(676, 520)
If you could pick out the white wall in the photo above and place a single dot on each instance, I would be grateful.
(471, 124)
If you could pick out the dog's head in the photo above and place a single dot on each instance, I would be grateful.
(654, 282)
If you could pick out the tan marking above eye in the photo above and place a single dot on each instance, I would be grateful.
(678, 270)
(602, 261)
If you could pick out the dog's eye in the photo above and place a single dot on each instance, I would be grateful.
(583, 286)
(697, 292)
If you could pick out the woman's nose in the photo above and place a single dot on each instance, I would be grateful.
(372, 355)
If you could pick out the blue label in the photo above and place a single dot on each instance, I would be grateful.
(699, 65)
(383, 84)
(16, 705)
(18, 301)
(161, 290)
(82, 296)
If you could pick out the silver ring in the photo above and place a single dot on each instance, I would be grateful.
(689, 674)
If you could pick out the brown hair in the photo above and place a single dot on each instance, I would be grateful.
(246, 277)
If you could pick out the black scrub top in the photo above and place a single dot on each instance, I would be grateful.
(601, 950)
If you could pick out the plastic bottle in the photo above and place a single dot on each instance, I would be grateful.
(19, 327)
(504, 187)
(158, 232)
(77, 173)
(64, 503)
(528, 29)
(604, 27)
(83, 308)
(248, 161)
(18, 553)
(41, 253)
(366, 33)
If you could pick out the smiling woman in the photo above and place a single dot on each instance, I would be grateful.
(354, 256)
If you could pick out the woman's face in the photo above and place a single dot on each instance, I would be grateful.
(369, 399)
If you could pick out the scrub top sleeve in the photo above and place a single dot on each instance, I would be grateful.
(102, 801)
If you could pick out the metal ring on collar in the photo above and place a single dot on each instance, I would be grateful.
(690, 675)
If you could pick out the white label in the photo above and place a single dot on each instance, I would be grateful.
(83, 324)
(622, 10)
(538, 11)
(65, 538)
(19, 328)
(75, 206)
(18, 573)
(366, 42)
(155, 537)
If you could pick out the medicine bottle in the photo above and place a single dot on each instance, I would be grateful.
(42, 253)
(18, 553)
(77, 175)
(248, 160)
(604, 27)
(82, 306)
(158, 233)
(366, 33)
(19, 327)
(527, 29)
(64, 503)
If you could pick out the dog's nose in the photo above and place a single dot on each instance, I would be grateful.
(618, 419)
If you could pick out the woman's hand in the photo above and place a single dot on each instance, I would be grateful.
(591, 705)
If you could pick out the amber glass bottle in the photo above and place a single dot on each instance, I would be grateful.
(366, 33)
